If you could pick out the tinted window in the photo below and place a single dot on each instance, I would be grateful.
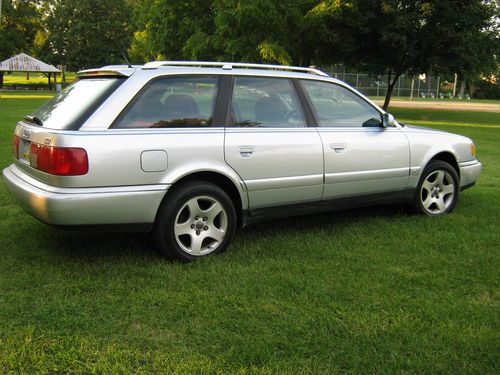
(265, 102)
(337, 106)
(172, 102)
(72, 106)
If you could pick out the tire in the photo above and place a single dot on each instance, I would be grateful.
(438, 190)
(196, 219)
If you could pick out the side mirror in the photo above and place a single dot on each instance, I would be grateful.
(387, 120)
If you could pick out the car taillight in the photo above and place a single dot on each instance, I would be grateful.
(61, 161)
(15, 146)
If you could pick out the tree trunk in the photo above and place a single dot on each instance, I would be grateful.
(472, 90)
(462, 88)
(390, 88)
(1, 79)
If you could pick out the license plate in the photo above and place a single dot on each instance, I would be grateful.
(24, 151)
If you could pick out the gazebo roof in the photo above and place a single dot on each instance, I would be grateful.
(25, 63)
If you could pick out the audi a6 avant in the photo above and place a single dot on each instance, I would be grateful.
(190, 151)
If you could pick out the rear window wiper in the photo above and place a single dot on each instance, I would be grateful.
(33, 119)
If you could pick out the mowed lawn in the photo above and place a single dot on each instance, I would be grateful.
(364, 291)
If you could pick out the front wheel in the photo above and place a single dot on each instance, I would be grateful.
(438, 189)
(196, 220)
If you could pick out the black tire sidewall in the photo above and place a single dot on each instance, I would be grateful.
(163, 231)
(430, 168)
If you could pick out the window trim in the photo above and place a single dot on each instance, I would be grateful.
(348, 88)
(136, 97)
(306, 104)
(224, 98)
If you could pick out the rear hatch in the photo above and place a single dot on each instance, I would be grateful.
(41, 144)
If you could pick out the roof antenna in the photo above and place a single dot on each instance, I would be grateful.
(125, 57)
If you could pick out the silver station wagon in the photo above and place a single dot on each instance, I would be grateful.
(190, 151)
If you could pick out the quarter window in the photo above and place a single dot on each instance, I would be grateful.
(265, 102)
(172, 102)
(336, 106)
(69, 109)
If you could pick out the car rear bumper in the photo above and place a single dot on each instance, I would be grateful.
(469, 173)
(84, 206)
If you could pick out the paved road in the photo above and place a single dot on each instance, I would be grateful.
(449, 106)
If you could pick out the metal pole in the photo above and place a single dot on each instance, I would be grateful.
(399, 86)
(418, 88)
(455, 85)
(437, 88)
(357, 81)
(412, 85)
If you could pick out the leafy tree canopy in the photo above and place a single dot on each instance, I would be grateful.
(251, 30)
(413, 36)
(380, 36)
(87, 33)
(18, 26)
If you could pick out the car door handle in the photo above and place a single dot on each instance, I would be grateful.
(246, 151)
(338, 147)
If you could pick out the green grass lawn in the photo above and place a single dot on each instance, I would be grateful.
(438, 100)
(26, 94)
(363, 291)
(39, 80)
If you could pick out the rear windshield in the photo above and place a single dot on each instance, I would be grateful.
(69, 109)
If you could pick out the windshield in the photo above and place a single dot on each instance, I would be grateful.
(69, 109)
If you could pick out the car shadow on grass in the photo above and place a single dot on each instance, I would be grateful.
(89, 246)
(95, 245)
(330, 219)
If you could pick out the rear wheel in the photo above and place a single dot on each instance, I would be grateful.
(196, 220)
(438, 189)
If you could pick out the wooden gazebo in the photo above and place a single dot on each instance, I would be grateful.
(25, 63)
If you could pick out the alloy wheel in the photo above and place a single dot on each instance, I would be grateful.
(200, 225)
(437, 192)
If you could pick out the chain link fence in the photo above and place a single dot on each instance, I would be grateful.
(423, 86)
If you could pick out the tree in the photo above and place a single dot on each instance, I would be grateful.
(263, 31)
(469, 41)
(251, 30)
(87, 33)
(177, 30)
(401, 36)
(17, 29)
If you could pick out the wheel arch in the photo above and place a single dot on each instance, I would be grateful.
(447, 157)
(418, 204)
(216, 178)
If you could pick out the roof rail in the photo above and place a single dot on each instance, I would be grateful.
(229, 66)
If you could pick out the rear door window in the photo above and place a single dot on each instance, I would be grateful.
(69, 109)
(265, 102)
(172, 102)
